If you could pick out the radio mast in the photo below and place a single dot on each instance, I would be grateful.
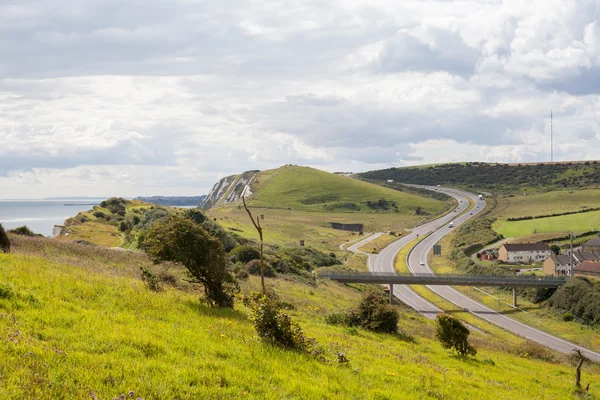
(551, 139)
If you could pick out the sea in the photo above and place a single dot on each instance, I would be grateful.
(41, 215)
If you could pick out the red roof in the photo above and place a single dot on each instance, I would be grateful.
(588, 267)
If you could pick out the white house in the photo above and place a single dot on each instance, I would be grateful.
(526, 253)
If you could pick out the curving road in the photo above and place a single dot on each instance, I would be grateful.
(417, 263)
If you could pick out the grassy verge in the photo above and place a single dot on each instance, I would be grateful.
(378, 244)
(77, 330)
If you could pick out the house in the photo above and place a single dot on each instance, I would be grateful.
(591, 245)
(581, 256)
(589, 269)
(557, 265)
(526, 253)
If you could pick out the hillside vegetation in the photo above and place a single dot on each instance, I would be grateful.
(300, 203)
(308, 189)
(77, 322)
(501, 177)
(115, 222)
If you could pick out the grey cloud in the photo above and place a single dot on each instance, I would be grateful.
(407, 53)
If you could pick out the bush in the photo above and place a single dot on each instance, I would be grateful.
(124, 226)
(374, 314)
(579, 297)
(568, 317)
(245, 253)
(4, 241)
(339, 318)
(99, 214)
(253, 268)
(23, 231)
(195, 215)
(454, 335)
(273, 325)
(151, 280)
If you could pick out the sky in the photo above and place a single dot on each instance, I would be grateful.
(165, 97)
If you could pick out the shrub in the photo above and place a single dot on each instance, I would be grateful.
(195, 215)
(23, 231)
(454, 335)
(568, 317)
(4, 241)
(124, 226)
(374, 314)
(339, 318)
(253, 268)
(246, 253)
(151, 280)
(273, 325)
(99, 214)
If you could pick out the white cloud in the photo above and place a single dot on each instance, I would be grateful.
(165, 97)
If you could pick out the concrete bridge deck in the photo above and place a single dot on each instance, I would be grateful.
(444, 279)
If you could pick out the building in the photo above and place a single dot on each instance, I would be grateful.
(557, 265)
(591, 245)
(589, 269)
(581, 256)
(525, 253)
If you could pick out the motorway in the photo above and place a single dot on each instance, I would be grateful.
(418, 263)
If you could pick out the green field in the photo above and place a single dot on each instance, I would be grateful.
(547, 203)
(308, 189)
(582, 222)
(76, 322)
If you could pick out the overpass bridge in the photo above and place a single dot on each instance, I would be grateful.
(445, 280)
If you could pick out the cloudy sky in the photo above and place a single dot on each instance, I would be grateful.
(164, 97)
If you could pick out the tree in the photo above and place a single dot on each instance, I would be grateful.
(4, 241)
(181, 240)
(260, 235)
(581, 358)
(555, 249)
(453, 334)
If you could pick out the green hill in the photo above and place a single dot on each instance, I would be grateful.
(502, 177)
(308, 189)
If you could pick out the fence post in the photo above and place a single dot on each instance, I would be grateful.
(515, 297)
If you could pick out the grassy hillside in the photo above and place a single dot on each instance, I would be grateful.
(116, 222)
(500, 177)
(77, 322)
(299, 203)
(308, 189)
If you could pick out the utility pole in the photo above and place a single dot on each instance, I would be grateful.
(551, 139)
(572, 271)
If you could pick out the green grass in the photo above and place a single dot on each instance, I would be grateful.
(308, 189)
(78, 322)
(375, 246)
(565, 223)
(558, 201)
(286, 227)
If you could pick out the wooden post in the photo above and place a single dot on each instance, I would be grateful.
(391, 292)
(515, 297)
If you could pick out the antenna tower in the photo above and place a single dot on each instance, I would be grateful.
(551, 139)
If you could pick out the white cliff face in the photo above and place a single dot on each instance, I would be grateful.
(229, 190)
(217, 192)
